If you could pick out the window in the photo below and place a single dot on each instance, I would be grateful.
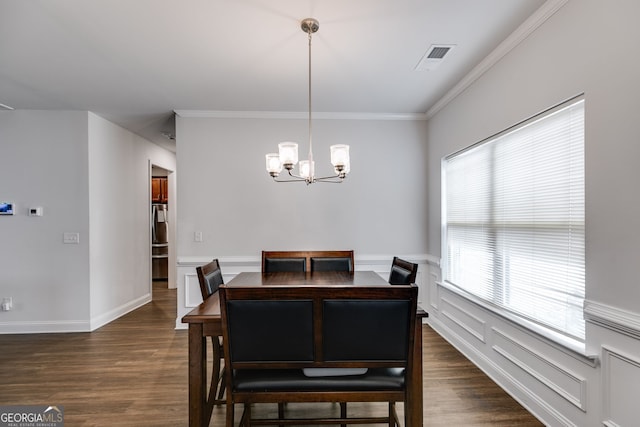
(513, 221)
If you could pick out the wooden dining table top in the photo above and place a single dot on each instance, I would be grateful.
(316, 278)
(210, 308)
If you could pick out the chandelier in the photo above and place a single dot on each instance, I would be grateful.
(287, 155)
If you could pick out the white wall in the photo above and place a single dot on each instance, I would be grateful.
(43, 159)
(120, 227)
(80, 168)
(588, 46)
(225, 192)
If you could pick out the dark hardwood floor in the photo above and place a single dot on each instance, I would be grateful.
(133, 372)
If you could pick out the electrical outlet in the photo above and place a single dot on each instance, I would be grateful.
(71, 238)
(197, 236)
(7, 304)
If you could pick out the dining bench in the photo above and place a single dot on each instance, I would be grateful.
(318, 344)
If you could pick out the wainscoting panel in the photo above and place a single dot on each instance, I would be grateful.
(621, 377)
(558, 385)
(432, 290)
(558, 378)
(192, 294)
(463, 318)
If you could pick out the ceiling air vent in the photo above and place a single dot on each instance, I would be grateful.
(434, 57)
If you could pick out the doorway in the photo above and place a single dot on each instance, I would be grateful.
(162, 227)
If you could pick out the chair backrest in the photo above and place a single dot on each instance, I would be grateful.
(210, 278)
(279, 261)
(402, 272)
(318, 327)
(332, 261)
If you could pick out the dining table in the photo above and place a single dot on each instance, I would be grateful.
(205, 321)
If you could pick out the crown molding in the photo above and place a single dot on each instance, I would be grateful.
(539, 17)
(220, 114)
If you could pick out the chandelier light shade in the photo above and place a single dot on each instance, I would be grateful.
(288, 152)
(287, 155)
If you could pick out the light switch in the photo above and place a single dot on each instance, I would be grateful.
(71, 238)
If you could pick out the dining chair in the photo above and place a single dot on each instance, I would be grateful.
(283, 261)
(210, 279)
(402, 272)
(332, 261)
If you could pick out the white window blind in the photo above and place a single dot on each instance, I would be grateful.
(513, 220)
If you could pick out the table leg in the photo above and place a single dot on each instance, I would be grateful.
(413, 408)
(197, 376)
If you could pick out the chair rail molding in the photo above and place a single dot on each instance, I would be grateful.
(613, 318)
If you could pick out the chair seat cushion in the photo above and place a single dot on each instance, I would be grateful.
(295, 380)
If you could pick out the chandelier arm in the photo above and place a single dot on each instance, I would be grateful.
(336, 179)
(296, 178)
(288, 180)
(326, 181)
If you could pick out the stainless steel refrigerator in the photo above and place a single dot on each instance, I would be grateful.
(160, 242)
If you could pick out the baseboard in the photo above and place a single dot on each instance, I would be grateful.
(62, 326)
(44, 327)
(110, 316)
(180, 325)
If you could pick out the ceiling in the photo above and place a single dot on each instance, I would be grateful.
(134, 62)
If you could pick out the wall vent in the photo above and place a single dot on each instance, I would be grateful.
(434, 57)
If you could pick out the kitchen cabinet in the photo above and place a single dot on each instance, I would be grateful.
(159, 190)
